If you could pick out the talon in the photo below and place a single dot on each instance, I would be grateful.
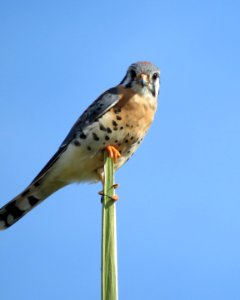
(113, 153)
(114, 197)
(115, 186)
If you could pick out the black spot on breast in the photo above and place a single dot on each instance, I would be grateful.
(118, 118)
(102, 128)
(116, 141)
(115, 128)
(33, 200)
(126, 141)
(117, 110)
(95, 136)
(25, 192)
(109, 130)
(114, 123)
(121, 128)
(107, 138)
(89, 148)
(132, 138)
(83, 136)
(77, 143)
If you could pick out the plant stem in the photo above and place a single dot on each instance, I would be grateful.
(109, 239)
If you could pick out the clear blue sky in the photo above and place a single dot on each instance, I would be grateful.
(179, 207)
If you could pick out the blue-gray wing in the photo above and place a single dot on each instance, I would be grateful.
(102, 104)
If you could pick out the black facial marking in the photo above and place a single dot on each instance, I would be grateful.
(107, 138)
(95, 136)
(25, 193)
(118, 118)
(126, 141)
(83, 136)
(132, 138)
(33, 200)
(109, 130)
(114, 123)
(77, 143)
(133, 74)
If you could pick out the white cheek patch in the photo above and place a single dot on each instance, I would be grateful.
(157, 87)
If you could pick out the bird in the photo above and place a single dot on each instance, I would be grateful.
(116, 122)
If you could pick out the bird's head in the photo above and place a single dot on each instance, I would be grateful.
(143, 78)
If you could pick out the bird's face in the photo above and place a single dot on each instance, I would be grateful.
(143, 78)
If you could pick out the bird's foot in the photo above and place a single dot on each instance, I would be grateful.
(114, 197)
(113, 153)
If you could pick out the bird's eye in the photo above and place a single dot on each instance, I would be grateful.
(133, 74)
(155, 76)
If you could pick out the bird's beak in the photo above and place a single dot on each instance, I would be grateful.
(143, 80)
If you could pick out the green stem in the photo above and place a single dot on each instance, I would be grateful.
(109, 242)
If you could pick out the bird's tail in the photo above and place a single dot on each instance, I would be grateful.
(33, 195)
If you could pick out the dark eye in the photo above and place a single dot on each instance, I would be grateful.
(155, 76)
(133, 74)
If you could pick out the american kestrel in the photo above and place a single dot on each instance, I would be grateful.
(116, 121)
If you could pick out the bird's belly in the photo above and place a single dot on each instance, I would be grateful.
(84, 157)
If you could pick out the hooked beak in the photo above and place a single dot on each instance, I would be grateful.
(143, 80)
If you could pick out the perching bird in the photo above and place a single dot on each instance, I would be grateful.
(116, 121)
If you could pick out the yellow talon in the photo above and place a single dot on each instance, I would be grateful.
(113, 153)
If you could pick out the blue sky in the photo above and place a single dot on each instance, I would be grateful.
(178, 213)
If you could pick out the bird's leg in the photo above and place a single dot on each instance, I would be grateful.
(113, 153)
(101, 193)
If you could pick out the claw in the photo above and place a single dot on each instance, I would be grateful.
(113, 153)
(114, 197)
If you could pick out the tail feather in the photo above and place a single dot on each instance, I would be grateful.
(17, 208)
(27, 200)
